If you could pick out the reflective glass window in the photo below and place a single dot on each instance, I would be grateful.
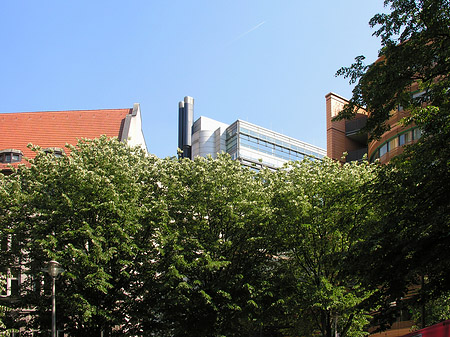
(383, 150)
(404, 138)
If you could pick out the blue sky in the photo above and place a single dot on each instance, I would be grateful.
(269, 62)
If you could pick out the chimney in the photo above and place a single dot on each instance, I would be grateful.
(185, 122)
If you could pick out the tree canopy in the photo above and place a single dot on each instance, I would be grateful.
(83, 211)
(413, 66)
(212, 272)
(404, 249)
(321, 209)
(165, 247)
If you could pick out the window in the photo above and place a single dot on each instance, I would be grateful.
(231, 130)
(375, 156)
(56, 151)
(393, 143)
(10, 156)
(11, 282)
(404, 138)
(249, 142)
(231, 143)
(421, 96)
(384, 149)
(298, 156)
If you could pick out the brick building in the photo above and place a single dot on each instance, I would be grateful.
(345, 136)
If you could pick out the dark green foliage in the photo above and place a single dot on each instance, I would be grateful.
(405, 251)
(407, 248)
(415, 38)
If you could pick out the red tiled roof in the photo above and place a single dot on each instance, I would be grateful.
(56, 128)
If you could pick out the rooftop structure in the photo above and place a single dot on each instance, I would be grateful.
(250, 144)
(54, 129)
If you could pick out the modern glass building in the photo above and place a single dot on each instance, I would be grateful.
(252, 145)
(255, 146)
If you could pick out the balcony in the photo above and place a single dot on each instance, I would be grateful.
(356, 155)
(353, 129)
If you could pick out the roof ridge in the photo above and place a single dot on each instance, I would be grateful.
(60, 111)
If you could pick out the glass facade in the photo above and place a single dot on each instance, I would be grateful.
(256, 146)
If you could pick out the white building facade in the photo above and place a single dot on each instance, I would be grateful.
(252, 145)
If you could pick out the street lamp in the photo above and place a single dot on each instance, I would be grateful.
(54, 269)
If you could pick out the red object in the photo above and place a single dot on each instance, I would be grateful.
(53, 129)
(438, 330)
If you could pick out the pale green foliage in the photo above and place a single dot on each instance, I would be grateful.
(83, 211)
(213, 251)
(321, 211)
(166, 247)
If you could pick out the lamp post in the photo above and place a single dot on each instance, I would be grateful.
(54, 269)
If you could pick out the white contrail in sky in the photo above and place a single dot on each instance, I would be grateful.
(248, 31)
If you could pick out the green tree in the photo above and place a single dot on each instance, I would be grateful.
(415, 39)
(83, 210)
(3, 308)
(213, 270)
(321, 209)
(405, 249)
(7, 311)
(149, 246)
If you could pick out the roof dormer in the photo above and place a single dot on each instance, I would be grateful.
(10, 156)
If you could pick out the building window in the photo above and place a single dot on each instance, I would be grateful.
(56, 151)
(375, 156)
(11, 282)
(384, 149)
(393, 143)
(231, 143)
(10, 156)
(404, 138)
